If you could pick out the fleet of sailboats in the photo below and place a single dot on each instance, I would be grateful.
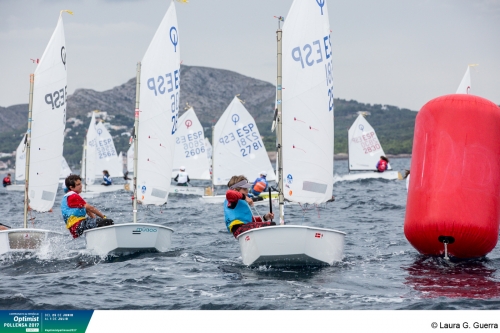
(43, 143)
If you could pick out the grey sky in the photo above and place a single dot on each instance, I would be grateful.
(395, 52)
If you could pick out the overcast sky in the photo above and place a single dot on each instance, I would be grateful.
(394, 52)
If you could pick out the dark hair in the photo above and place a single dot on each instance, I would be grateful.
(106, 172)
(235, 180)
(8, 174)
(71, 180)
(384, 158)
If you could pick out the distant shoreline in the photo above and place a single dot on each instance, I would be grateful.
(340, 157)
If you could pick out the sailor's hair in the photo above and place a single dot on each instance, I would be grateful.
(70, 181)
(235, 180)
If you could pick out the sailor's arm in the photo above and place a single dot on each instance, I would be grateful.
(91, 210)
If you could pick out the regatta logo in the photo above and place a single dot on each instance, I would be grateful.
(289, 179)
(235, 118)
(361, 127)
(318, 235)
(321, 3)
(99, 131)
(174, 37)
(143, 189)
(138, 231)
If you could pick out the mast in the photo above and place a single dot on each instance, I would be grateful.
(28, 149)
(213, 158)
(348, 157)
(136, 131)
(84, 164)
(279, 33)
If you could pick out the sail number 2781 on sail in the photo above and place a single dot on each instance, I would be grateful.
(246, 138)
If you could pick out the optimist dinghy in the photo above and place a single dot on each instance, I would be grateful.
(305, 143)
(153, 145)
(47, 110)
(364, 153)
(237, 149)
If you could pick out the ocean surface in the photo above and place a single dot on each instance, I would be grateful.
(203, 270)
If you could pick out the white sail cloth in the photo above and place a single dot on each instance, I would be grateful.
(48, 122)
(465, 84)
(130, 158)
(208, 147)
(65, 169)
(364, 148)
(307, 138)
(90, 163)
(106, 157)
(238, 148)
(190, 149)
(21, 161)
(159, 111)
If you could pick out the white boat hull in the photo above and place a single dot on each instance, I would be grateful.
(17, 188)
(390, 175)
(104, 189)
(187, 190)
(128, 238)
(291, 245)
(24, 240)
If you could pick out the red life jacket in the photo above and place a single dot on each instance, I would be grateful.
(6, 180)
(382, 166)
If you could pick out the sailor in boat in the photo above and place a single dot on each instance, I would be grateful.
(260, 184)
(237, 213)
(407, 177)
(106, 178)
(382, 164)
(7, 181)
(75, 210)
(182, 177)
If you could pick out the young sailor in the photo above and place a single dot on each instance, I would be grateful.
(382, 164)
(182, 177)
(106, 178)
(260, 184)
(237, 213)
(75, 210)
(7, 181)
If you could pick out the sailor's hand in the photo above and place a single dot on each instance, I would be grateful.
(249, 200)
(269, 216)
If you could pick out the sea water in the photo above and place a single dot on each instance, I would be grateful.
(203, 270)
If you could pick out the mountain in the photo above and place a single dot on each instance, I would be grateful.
(209, 91)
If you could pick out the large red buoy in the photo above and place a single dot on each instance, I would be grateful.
(454, 191)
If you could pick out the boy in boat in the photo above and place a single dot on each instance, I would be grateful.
(382, 164)
(106, 178)
(237, 213)
(7, 181)
(75, 210)
(260, 184)
(182, 177)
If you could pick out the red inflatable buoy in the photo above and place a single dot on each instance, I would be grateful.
(454, 191)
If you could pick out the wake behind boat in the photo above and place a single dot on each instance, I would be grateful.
(305, 144)
(364, 152)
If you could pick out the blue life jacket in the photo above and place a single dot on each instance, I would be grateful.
(107, 180)
(241, 214)
(70, 215)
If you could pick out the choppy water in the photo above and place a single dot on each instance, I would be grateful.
(204, 270)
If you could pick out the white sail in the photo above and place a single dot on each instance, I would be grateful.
(90, 164)
(130, 158)
(49, 120)
(307, 103)
(106, 157)
(119, 165)
(364, 148)
(190, 150)
(21, 161)
(465, 84)
(208, 147)
(65, 169)
(159, 111)
(238, 148)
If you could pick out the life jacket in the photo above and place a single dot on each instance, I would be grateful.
(259, 187)
(382, 166)
(6, 180)
(241, 214)
(107, 179)
(70, 215)
(182, 177)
